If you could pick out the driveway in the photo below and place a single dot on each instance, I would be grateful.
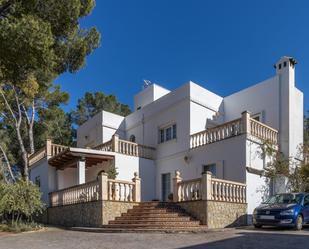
(227, 238)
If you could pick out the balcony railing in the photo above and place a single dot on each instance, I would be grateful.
(50, 149)
(208, 188)
(101, 189)
(244, 125)
(127, 148)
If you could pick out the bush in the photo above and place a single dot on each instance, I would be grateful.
(18, 227)
(19, 202)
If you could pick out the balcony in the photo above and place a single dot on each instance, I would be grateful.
(243, 125)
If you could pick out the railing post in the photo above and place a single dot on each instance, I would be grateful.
(48, 147)
(245, 116)
(103, 186)
(115, 143)
(176, 180)
(206, 185)
(137, 188)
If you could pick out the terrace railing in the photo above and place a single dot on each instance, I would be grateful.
(50, 149)
(243, 125)
(126, 147)
(208, 188)
(101, 189)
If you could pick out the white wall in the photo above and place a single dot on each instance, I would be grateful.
(47, 178)
(100, 129)
(203, 105)
(128, 165)
(260, 98)
(148, 95)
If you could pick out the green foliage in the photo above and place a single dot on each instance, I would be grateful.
(93, 103)
(40, 39)
(20, 201)
(18, 227)
(278, 164)
(112, 172)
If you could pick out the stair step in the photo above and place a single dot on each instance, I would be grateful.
(147, 215)
(162, 226)
(155, 216)
(145, 218)
(153, 221)
(155, 210)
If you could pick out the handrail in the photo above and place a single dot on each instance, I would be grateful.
(208, 188)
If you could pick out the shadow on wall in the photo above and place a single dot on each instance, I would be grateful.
(240, 221)
(254, 240)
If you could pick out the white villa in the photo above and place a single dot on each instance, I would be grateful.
(189, 130)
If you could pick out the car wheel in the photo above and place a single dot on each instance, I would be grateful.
(299, 223)
(257, 226)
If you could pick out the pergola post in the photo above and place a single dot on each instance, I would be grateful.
(137, 188)
(81, 171)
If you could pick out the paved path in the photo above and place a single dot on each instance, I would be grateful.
(230, 238)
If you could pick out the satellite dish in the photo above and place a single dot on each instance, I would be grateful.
(147, 83)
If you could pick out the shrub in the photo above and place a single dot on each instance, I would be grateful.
(20, 201)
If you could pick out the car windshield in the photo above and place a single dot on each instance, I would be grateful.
(285, 199)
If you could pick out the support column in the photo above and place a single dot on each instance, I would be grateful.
(245, 116)
(137, 188)
(176, 192)
(115, 143)
(103, 185)
(206, 185)
(81, 171)
(48, 148)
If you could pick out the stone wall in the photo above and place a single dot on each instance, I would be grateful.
(113, 209)
(197, 209)
(226, 214)
(217, 214)
(88, 214)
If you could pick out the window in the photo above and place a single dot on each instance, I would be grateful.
(284, 64)
(132, 138)
(211, 168)
(280, 66)
(168, 133)
(306, 200)
(37, 181)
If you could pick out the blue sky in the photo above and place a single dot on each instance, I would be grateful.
(222, 45)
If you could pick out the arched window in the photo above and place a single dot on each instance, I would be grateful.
(132, 138)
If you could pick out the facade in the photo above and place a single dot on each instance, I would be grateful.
(189, 130)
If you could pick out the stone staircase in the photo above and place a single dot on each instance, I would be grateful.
(155, 216)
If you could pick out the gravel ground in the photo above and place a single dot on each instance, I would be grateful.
(228, 238)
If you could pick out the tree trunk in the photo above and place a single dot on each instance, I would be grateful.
(30, 129)
(7, 164)
(23, 153)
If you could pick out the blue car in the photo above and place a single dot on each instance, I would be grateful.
(289, 210)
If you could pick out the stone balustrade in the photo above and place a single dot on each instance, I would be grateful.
(243, 125)
(101, 189)
(50, 150)
(263, 131)
(127, 147)
(220, 132)
(208, 188)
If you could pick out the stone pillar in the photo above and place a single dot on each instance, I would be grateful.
(81, 171)
(48, 147)
(176, 193)
(245, 116)
(137, 188)
(206, 185)
(103, 186)
(115, 143)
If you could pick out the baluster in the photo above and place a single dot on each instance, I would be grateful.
(110, 190)
(223, 192)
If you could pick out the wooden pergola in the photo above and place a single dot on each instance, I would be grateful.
(70, 157)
